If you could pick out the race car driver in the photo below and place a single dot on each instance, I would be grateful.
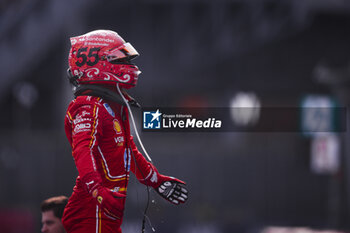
(97, 127)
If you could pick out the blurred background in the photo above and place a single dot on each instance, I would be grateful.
(222, 53)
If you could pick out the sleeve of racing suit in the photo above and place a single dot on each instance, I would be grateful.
(143, 169)
(86, 129)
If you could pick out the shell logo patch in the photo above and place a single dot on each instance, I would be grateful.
(116, 126)
(94, 193)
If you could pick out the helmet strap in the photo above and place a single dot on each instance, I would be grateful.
(72, 78)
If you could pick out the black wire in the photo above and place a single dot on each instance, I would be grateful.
(148, 191)
(148, 195)
(145, 211)
(137, 167)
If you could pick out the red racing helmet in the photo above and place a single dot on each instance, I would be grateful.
(102, 57)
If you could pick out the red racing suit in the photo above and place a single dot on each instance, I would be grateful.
(99, 134)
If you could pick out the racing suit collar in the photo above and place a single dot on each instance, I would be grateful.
(104, 93)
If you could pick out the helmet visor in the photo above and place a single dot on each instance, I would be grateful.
(125, 51)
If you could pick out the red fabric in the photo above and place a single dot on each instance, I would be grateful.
(110, 202)
(99, 134)
(139, 166)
